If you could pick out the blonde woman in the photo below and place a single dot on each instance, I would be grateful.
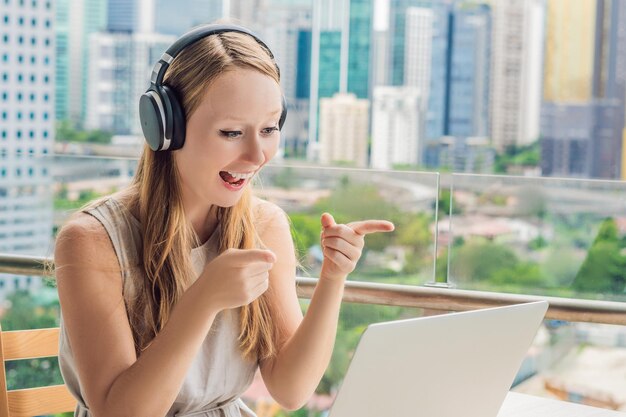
(175, 290)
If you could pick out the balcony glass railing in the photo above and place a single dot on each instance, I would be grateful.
(491, 235)
(558, 237)
(408, 199)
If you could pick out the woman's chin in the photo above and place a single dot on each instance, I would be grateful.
(227, 201)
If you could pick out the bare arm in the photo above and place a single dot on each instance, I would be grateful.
(292, 376)
(115, 381)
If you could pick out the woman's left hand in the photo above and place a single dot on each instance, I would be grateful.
(342, 244)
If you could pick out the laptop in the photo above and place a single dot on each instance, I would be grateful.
(452, 365)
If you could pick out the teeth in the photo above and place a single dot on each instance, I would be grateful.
(240, 176)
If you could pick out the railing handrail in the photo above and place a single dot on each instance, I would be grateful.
(431, 298)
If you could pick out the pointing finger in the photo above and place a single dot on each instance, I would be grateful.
(366, 227)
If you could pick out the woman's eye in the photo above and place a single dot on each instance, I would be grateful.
(270, 130)
(235, 134)
(230, 134)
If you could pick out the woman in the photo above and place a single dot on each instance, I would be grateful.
(176, 289)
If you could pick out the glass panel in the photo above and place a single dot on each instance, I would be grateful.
(408, 199)
(559, 237)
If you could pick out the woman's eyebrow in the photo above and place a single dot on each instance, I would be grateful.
(241, 119)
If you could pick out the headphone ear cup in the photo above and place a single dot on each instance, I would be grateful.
(167, 108)
(177, 117)
(151, 117)
(283, 115)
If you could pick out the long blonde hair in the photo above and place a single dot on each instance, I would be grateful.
(167, 235)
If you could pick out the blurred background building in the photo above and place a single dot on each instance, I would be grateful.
(497, 69)
(27, 103)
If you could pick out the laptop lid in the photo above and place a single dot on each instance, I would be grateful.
(459, 364)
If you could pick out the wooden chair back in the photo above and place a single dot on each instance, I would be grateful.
(30, 344)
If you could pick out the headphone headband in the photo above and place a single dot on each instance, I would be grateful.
(191, 37)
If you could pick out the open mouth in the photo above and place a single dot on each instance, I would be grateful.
(227, 178)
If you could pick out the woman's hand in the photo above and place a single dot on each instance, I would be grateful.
(237, 277)
(342, 244)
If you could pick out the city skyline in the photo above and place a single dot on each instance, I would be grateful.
(472, 82)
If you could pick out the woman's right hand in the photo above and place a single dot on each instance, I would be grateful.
(237, 277)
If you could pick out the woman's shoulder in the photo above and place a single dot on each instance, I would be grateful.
(268, 215)
(80, 224)
(83, 239)
(84, 236)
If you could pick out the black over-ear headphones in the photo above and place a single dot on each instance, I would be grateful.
(161, 114)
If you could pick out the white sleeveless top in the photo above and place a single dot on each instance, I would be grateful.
(218, 375)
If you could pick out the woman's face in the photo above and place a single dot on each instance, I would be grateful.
(230, 136)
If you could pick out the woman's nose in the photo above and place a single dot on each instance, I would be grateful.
(254, 149)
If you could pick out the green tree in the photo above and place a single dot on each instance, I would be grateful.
(416, 236)
(480, 261)
(529, 155)
(61, 202)
(445, 202)
(560, 267)
(305, 231)
(604, 268)
(496, 266)
(26, 313)
(66, 131)
(523, 274)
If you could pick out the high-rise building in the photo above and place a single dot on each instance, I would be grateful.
(130, 16)
(248, 13)
(517, 45)
(75, 21)
(609, 79)
(380, 58)
(329, 64)
(63, 58)
(288, 30)
(570, 134)
(598, 83)
(303, 68)
(359, 44)
(283, 38)
(119, 72)
(609, 83)
(461, 54)
(348, 24)
(569, 54)
(440, 73)
(177, 17)
(320, 62)
(397, 35)
(532, 72)
(397, 126)
(469, 155)
(418, 49)
(27, 60)
(123, 15)
(471, 62)
(343, 132)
